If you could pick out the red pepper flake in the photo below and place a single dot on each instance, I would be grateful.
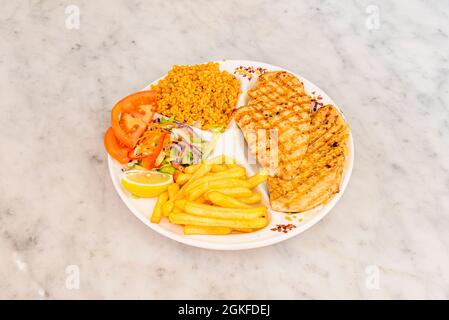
(285, 228)
(248, 72)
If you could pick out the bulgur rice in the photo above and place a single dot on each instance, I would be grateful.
(199, 95)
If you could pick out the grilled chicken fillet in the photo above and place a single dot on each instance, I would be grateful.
(276, 122)
(321, 169)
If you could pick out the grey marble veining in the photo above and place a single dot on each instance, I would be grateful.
(385, 63)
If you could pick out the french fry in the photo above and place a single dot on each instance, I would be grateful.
(176, 210)
(189, 230)
(205, 210)
(218, 167)
(244, 230)
(223, 200)
(157, 212)
(189, 219)
(201, 200)
(183, 178)
(256, 179)
(218, 181)
(172, 190)
(197, 191)
(254, 198)
(227, 174)
(236, 192)
(236, 172)
(167, 207)
(191, 169)
(201, 171)
(180, 204)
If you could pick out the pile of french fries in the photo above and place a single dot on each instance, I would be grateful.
(213, 197)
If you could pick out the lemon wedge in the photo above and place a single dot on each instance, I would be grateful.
(146, 184)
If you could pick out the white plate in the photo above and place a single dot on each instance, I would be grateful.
(142, 208)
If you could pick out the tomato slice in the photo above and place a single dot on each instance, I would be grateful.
(148, 162)
(131, 115)
(144, 112)
(117, 151)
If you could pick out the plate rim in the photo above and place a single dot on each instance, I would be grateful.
(196, 242)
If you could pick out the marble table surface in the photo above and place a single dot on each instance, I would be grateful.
(64, 232)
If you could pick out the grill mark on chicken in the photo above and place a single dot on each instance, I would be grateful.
(321, 169)
(279, 102)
